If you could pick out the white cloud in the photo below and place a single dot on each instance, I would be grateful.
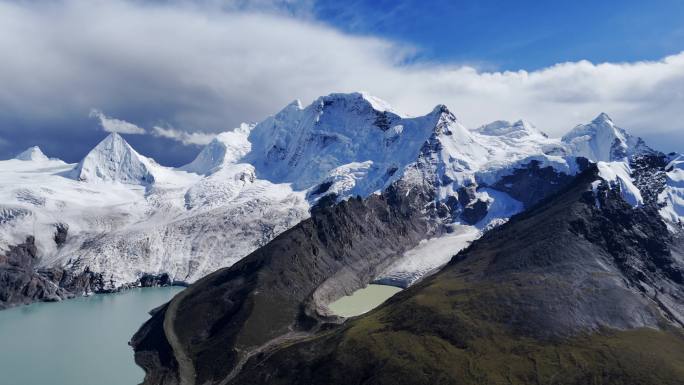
(116, 125)
(187, 138)
(193, 66)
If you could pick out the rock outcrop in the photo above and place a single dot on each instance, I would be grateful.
(21, 283)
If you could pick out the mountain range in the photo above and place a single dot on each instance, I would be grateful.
(118, 219)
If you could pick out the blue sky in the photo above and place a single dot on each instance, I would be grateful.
(174, 72)
(520, 34)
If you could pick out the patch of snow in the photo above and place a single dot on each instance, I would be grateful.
(619, 174)
(347, 181)
(594, 188)
(501, 207)
(672, 197)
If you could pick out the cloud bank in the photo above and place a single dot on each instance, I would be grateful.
(206, 70)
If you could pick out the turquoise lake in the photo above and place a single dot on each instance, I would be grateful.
(83, 341)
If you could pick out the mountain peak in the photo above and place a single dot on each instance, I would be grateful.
(440, 109)
(227, 147)
(294, 105)
(602, 118)
(602, 140)
(114, 160)
(32, 153)
(113, 137)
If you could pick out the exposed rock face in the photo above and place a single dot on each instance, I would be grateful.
(61, 231)
(648, 172)
(474, 211)
(582, 288)
(532, 183)
(150, 280)
(279, 292)
(21, 284)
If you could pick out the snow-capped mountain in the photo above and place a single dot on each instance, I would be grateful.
(602, 140)
(128, 216)
(114, 160)
(33, 153)
(225, 149)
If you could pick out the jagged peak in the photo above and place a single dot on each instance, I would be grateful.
(33, 153)
(441, 109)
(601, 125)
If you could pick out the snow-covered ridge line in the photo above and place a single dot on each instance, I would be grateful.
(129, 216)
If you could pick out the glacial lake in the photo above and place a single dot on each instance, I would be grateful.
(82, 341)
(363, 300)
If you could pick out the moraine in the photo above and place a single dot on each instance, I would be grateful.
(78, 342)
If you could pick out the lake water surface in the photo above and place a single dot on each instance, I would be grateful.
(363, 300)
(83, 341)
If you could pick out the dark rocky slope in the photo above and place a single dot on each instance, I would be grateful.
(277, 294)
(569, 292)
(22, 283)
